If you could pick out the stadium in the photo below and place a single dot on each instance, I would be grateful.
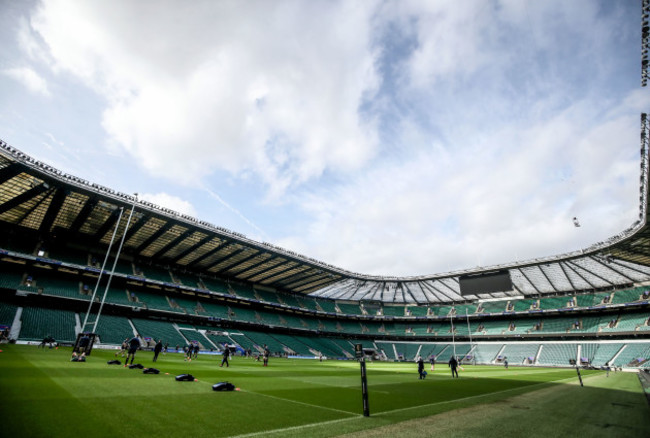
(550, 346)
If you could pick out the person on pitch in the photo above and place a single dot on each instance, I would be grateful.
(421, 371)
(266, 355)
(134, 344)
(226, 355)
(453, 364)
(157, 349)
(124, 348)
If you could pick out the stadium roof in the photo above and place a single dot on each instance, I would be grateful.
(47, 202)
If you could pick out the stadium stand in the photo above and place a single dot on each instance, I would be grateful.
(70, 255)
(326, 306)
(633, 355)
(37, 323)
(557, 354)
(7, 313)
(259, 340)
(266, 296)
(148, 328)
(486, 353)
(215, 285)
(348, 309)
(112, 329)
(604, 353)
(587, 305)
(186, 279)
(520, 354)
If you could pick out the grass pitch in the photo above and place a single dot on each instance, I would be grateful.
(46, 395)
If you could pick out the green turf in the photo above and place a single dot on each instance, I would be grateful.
(44, 394)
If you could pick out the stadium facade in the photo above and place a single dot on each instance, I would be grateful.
(175, 277)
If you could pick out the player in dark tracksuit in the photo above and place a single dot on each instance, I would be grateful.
(453, 364)
(157, 349)
(196, 350)
(134, 344)
(226, 355)
(421, 367)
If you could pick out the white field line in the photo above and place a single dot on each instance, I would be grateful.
(357, 416)
(292, 401)
(294, 428)
(302, 403)
(477, 396)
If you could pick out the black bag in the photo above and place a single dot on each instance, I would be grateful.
(185, 378)
(223, 386)
(151, 371)
(114, 362)
(136, 365)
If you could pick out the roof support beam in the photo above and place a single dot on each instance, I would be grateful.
(547, 278)
(107, 225)
(242, 261)
(23, 197)
(426, 292)
(617, 263)
(592, 273)
(448, 287)
(213, 251)
(579, 275)
(255, 274)
(192, 248)
(226, 257)
(608, 265)
(6, 173)
(173, 243)
(306, 279)
(136, 227)
(83, 214)
(573, 286)
(52, 211)
(273, 274)
(528, 280)
(309, 287)
(408, 290)
(162, 230)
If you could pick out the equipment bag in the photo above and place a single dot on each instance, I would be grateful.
(223, 386)
(185, 378)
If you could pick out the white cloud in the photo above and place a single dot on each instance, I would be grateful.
(511, 199)
(170, 201)
(415, 137)
(30, 79)
(265, 87)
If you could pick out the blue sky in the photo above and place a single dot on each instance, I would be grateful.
(392, 138)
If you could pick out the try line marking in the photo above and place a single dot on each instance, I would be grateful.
(357, 416)
(295, 401)
(476, 396)
(303, 403)
(293, 428)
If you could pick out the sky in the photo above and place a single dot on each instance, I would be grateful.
(382, 137)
